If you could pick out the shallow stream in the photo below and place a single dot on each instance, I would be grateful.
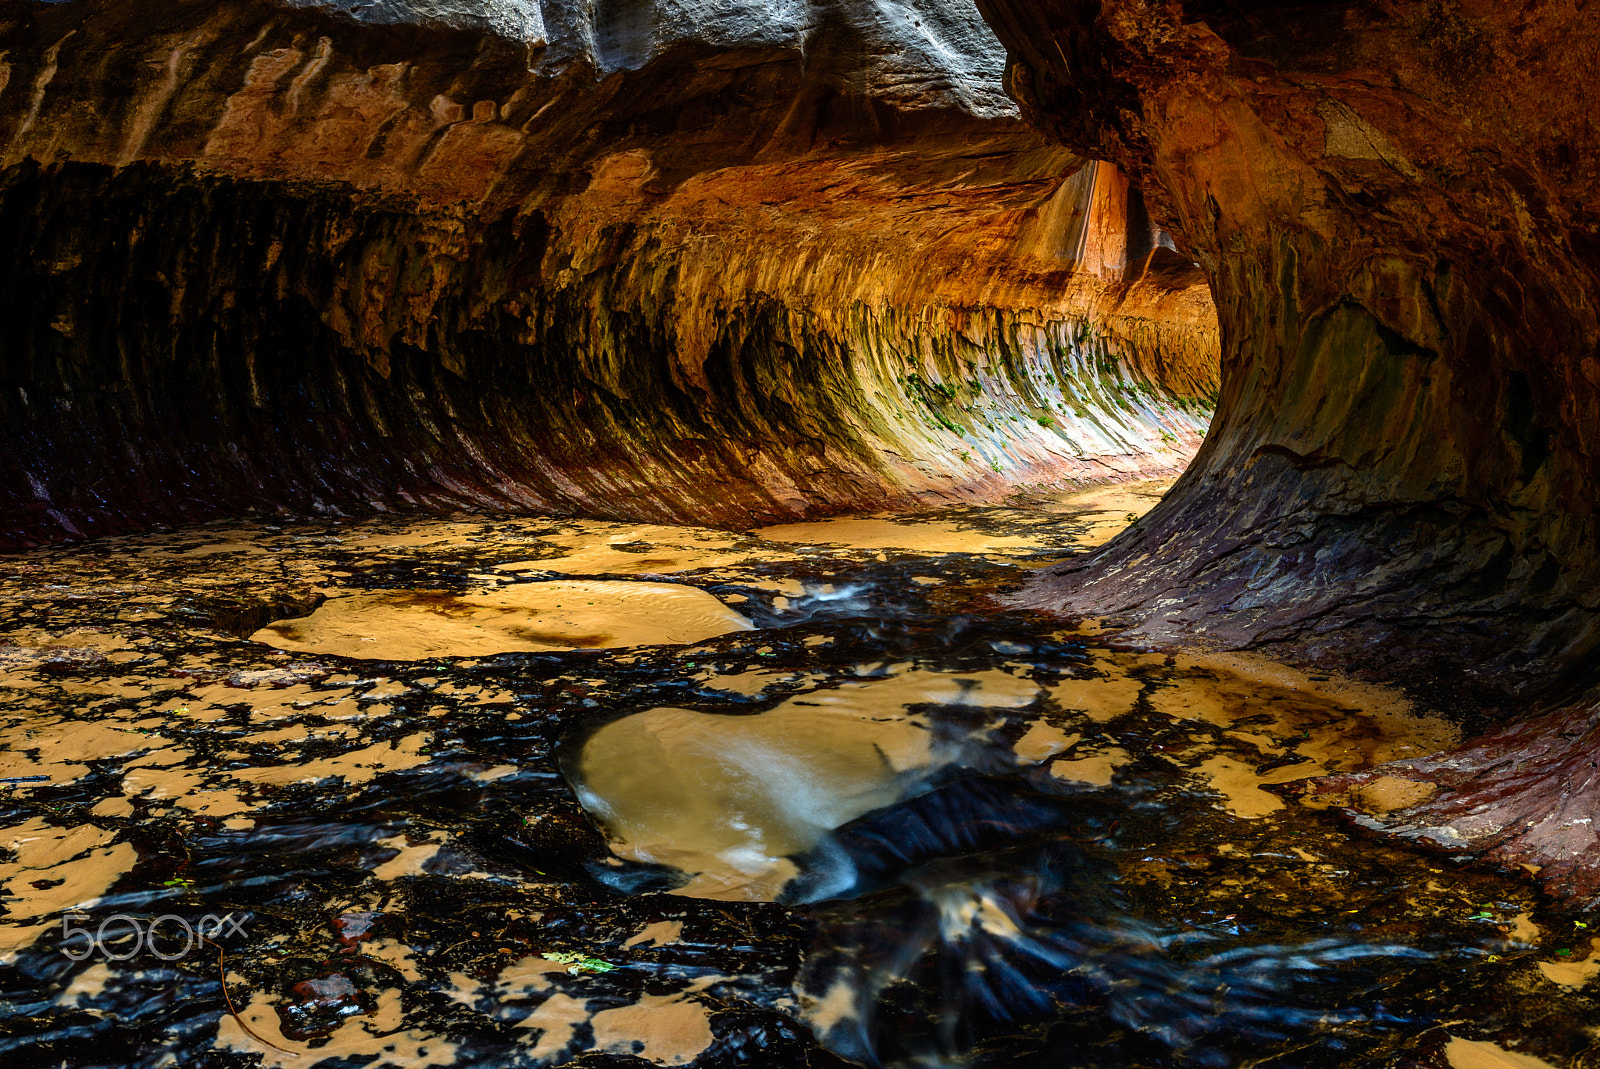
(491, 792)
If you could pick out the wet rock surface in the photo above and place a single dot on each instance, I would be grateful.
(1522, 796)
(411, 878)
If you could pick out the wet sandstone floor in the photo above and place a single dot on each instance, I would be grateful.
(854, 812)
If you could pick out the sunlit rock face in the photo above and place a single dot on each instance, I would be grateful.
(1394, 202)
(731, 263)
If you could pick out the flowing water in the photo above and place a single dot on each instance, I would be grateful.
(491, 792)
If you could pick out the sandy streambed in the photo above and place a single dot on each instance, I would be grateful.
(389, 816)
(556, 615)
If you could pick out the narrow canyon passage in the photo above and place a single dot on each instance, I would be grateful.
(880, 532)
(403, 267)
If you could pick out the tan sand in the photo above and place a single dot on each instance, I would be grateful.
(919, 536)
(1473, 1054)
(558, 615)
(729, 798)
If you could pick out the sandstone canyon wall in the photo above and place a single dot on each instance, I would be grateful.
(1395, 204)
(725, 264)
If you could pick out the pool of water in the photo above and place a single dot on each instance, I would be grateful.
(491, 792)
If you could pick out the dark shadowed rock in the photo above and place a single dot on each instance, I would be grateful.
(1394, 205)
(735, 270)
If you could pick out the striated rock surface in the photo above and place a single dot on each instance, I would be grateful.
(1395, 205)
(732, 271)
(1525, 796)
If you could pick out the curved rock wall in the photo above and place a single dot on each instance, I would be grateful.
(1394, 203)
(272, 257)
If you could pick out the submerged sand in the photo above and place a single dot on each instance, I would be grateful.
(558, 615)
(734, 801)
(120, 677)
(729, 799)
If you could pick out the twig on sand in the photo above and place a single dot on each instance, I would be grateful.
(222, 972)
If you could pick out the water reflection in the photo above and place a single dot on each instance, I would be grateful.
(966, 859)
(1005, 844)
(979, 917)
(729, 799)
